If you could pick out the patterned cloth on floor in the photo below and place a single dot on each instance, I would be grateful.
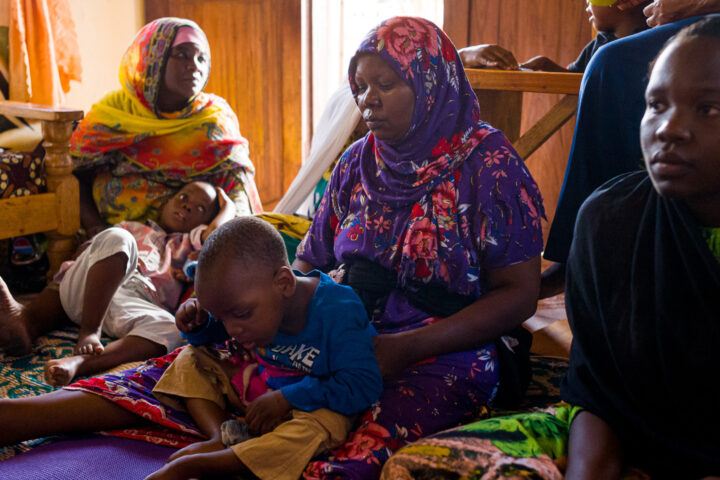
(23, 376)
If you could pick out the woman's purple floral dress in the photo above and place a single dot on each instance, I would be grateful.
(449, 202)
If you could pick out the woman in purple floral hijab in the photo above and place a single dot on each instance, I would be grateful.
(431, 200)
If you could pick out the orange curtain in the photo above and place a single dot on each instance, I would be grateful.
(44, 51)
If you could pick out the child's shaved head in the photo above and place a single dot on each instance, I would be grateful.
(249, 241)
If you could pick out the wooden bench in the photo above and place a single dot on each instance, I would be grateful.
(500, 93)
(57, 212)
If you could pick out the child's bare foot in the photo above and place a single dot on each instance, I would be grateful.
(199, 447)
(88, 344)
(14, 336)
(60, 371)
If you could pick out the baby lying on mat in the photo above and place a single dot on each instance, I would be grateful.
(124, 284)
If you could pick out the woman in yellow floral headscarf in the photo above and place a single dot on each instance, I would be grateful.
(142, 143)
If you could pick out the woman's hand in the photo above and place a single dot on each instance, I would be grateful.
(190, 316)
(267, 412)
(488, 56)
(512, 298)
(661, 12)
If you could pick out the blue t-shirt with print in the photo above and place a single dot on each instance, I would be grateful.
(334, 351)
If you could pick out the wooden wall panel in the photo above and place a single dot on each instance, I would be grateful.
(558, 29)
(255, 46)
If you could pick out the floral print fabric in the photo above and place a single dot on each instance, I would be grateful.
(143, 155)
(132, 390)
(449, 202)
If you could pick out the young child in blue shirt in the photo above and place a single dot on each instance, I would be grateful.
(302, 364)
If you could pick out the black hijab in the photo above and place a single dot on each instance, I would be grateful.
(643, 301)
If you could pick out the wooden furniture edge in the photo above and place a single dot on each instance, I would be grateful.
(35, 111)
(57, 213)
(522, 81)
(27, 215)
(544, 128)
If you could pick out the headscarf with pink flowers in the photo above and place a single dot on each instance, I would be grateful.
(445, 126)
(417, 172)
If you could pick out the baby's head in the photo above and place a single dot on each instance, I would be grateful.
(606, 17)
(680, 131)
(243, 278)
(195, 204)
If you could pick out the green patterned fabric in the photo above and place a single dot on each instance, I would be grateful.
(712, 237)
(531, 445)
(24, 376)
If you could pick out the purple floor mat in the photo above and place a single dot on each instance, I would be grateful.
(89, 457)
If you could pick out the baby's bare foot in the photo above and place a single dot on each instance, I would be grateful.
(14, 336)
(60, 371)
(88, 344)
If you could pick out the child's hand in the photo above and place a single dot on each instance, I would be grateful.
(226, 212)
(488, 56)
(215, 464)
(190, 316)
(212, 445)
(227, 208)
(170, 471)
(267, 412)
(223, 199)
(179, 275)
(543, 64)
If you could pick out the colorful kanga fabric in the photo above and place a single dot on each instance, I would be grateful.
(530, 445)
(141, 155)
(24, 376)
(444, 205)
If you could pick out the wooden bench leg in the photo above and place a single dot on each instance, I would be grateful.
(61, 182)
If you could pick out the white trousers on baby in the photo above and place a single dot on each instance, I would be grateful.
(131, 310)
